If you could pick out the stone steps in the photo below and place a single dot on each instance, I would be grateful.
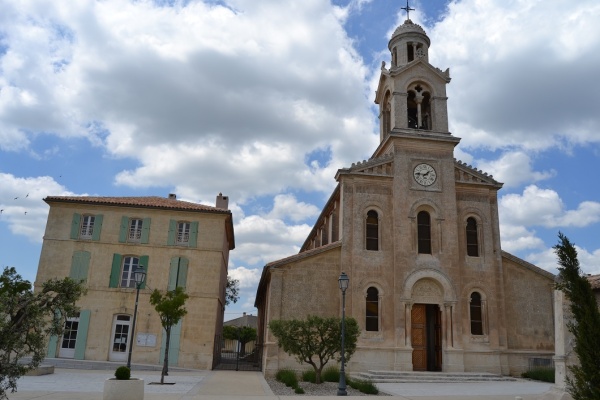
(430, 377)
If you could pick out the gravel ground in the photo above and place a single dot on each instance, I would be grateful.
(312, 389)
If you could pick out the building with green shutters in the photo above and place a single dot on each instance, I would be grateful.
(102, 240)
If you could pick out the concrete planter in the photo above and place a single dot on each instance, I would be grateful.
(132, 389)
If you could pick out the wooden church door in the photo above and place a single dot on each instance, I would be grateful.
(426, 335)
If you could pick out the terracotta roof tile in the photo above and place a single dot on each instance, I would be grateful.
(149, 202)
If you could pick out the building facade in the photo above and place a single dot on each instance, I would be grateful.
(102, 240)
(418, 234)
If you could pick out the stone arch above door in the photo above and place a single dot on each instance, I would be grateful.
(433, 285)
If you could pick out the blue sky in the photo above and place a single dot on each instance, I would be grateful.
(264, 101)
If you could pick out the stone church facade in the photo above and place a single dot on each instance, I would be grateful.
(418, 234)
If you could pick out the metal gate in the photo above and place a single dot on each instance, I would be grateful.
(237, 356)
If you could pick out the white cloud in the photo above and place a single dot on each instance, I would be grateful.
(21, 203)
(287, 207)
(588, 261)
(517, 70)
(237, 93)
(247, 277)
(544, 207)
(513, 169)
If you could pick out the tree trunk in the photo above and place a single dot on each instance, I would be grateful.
(318, 374)
(165, 368)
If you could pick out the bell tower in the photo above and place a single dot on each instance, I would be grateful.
(412, 93)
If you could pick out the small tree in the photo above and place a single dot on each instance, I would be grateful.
(232, 291)
(315, 340)
(243, 334)
(170, 308)
(27, 319)
(585, 381)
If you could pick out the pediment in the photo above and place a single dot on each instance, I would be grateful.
(421, 63)
(383, 166)
(464, 173)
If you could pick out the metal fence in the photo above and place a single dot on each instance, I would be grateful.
(237, 356)
(539, 362)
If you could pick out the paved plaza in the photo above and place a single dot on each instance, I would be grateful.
(67, 384)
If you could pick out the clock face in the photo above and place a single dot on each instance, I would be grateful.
(424, 174)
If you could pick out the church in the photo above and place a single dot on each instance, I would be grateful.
(417, 232)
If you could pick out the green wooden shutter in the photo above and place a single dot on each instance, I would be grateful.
(173, 274)
(146, 230)
(145, 261)
(52, 346)
(115, 271)
(123, 229)
(172, 229)
(80, 266)
(82, 331)
(173, 344)
(193, 234)
(97, 227)
(75, 226)
(183, 269)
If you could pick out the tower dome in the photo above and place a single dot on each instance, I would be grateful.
(409, 42)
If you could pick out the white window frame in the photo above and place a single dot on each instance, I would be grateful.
(183, 232)
(86, 230)
(134, 234)
(130, 263)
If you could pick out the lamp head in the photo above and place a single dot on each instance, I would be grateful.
(344, 281)
(139, 274)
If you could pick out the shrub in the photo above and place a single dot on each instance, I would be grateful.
(331, 374)
(540, 374)
(288, 377)
(123, 373)
(366, 387)
(299, 390)
(309, 376)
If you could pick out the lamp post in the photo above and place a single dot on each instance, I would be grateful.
(343, 281)
(139, 275)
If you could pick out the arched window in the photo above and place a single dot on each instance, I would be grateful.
(372, 232)
(472, 240)
(424, 232)
(372, 314)
(476, 314)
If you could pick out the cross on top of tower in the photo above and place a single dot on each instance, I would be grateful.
(407, 9)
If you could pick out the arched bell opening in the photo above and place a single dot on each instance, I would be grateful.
(419, 108)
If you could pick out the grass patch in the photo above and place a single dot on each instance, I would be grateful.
(366, 387)
(309, 376)
(330, 374)
(540, 374)
(288, 377)
(299, 390)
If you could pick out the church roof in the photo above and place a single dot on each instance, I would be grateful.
(409, 27)
(594, 281)
(527, 265)
(465, 173)
(143, 202)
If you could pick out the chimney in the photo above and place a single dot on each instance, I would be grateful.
(172, 196)
(222, 202)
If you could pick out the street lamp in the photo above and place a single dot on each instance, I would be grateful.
(138, 275)
(343, 281)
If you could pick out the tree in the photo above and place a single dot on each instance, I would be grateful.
(315, 340)
(170, 308)
(243, 334)
(27, 319)
(585, 326)
(232, 291)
